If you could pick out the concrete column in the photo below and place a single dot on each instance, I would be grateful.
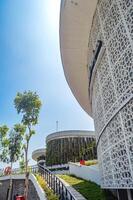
(129, 194)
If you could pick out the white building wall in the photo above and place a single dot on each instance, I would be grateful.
(111, 91)
(90, 173)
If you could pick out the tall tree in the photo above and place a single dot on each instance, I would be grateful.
(12, 146)
(28, 104)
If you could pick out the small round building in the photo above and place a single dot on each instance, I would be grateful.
(39, 155)
(73, 145)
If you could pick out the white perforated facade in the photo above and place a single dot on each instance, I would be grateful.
(111, 91)
(110, 85)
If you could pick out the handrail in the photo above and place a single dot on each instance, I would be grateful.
(19, 171)
(52, 181)
(55, 184)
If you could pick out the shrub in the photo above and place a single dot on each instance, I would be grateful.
(49, 193)
(91, 162)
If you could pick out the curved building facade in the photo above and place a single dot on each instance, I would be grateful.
(104, 43)
(39, 156)
(66, 146)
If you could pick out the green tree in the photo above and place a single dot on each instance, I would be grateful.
(12, 146)
(22, 163)
(28, 104)
(3, 132)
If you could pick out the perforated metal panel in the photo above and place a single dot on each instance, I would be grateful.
(112, 91)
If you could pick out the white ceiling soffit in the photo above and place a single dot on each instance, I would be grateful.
(75, 24)
(37, 153)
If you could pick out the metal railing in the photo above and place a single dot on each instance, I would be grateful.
(16, 171)
(53, 182)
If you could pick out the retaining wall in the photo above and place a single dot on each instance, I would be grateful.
(91, 173)
(35, 191)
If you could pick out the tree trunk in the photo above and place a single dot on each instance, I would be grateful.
(26, 173)
(26, 165)
(10, 185)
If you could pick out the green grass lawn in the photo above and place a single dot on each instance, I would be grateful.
(88, 189)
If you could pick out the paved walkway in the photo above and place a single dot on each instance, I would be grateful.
(76, 194)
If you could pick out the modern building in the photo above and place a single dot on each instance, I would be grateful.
(96, 43)
(39, 156)
(66, 146)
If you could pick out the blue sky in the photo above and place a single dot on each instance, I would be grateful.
(30, 60)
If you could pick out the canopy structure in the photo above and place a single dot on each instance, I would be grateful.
(75, 24)
(70, 134)
(38, 153)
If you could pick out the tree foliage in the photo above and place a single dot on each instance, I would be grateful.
(22, 163)
(3, 132)
(28, 105)
(12, 144)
